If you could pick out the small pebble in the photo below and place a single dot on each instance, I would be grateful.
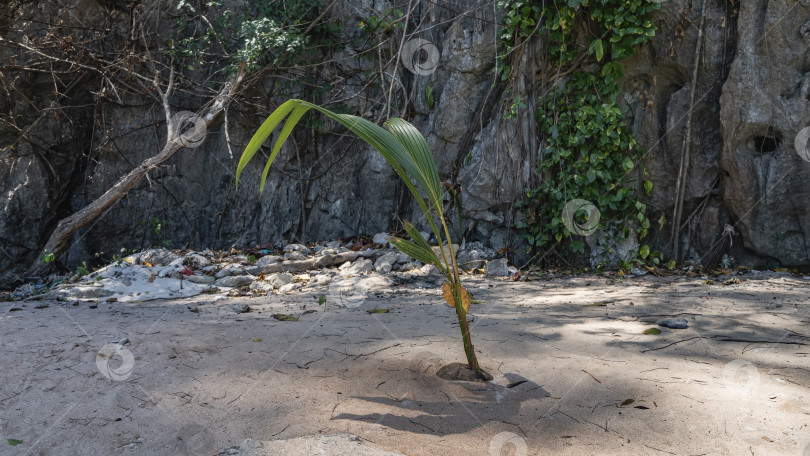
(674, 323)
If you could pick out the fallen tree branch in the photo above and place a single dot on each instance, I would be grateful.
(175, 142)
(314, 263)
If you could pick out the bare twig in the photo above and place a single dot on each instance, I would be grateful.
(680, 186)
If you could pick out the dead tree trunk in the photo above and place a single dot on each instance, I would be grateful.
(175, 141)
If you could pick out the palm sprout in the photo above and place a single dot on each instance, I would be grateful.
(408, 153)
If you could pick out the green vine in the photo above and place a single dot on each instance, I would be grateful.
(588, 152)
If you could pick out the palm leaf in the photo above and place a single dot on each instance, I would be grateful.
(417, 164)
(422, 243)
(418, 252)
(262, 134)
(407, 151)
(291, 122)
(417, 148)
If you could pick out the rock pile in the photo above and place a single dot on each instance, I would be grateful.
(163, 273)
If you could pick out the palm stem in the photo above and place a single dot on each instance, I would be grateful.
(469, 349)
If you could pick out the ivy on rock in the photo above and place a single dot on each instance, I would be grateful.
(587, 151)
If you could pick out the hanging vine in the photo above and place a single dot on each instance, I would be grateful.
(587, 151)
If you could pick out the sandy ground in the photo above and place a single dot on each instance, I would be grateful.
(574, 375)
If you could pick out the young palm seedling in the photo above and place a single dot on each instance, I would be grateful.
(408, 153)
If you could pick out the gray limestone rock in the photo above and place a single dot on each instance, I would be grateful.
(157, 257)
(358, 267)
(280, 279)
(267, 260)
(200, 278)
(385, 263)
(234, 281)
(295, 255)
(261, 286)
(474, 255)
(381, 238)
(497, 268)
(297, 248)
(674, 323)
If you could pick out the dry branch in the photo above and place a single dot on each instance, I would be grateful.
(316, 263)
(175, 142)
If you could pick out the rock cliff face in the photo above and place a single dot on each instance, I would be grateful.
(764, 107)
(751, 102)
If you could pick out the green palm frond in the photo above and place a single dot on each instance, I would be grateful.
(262, 134)
(418, 252)
(405, 150)
(418, 150)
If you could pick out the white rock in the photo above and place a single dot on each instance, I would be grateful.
(280, 279)
(296, 248)
(429, 269)
(381, 238)
(261, 286)
(267, 260)
(385, 263)
(295, 255)
(438, 251)
(403, 258)
(289, 287)
(196, 261)
(234, 281)
(358, 267)
(157, 257)
(230, 270)
(333, 244)
(200, 278)
(178, 262)
(639, 272)
(222, 273)
(320, 279)
(132, 259)
(497, 268)
(473, 255)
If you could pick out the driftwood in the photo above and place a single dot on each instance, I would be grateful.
(309, 264)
